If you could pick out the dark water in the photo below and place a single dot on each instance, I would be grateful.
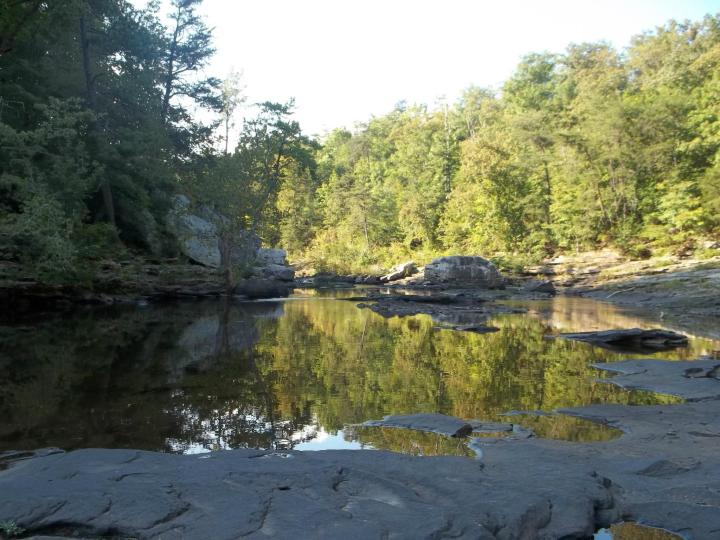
(193, 377)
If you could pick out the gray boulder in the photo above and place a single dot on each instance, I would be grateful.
(199, 239)
(475, 270)
(272, 256)
(279, 272)
(400, 271)
(540, 286)
(262, 288)
(197, 236)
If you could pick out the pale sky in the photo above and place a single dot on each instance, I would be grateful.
(346, 60)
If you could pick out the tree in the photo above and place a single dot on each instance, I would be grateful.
(231, 97)
(188, 49)
(241, 187)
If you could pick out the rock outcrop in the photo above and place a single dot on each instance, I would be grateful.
(197, 235)
(461, 269)
(273, 264)
(199, 240)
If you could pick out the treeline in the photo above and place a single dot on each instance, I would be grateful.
(99, 131)
(593, 147)
(106, 114)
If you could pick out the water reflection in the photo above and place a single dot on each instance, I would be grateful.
(204, 376)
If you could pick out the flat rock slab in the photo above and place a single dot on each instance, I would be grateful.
(691, 380)
(631, 340)
(328, 494)
(664, 472)
(432, 422)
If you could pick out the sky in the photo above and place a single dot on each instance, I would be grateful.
(346, 60)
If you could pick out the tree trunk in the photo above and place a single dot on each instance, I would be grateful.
(225, 246)
(90, 96)
(170, 76)
(7, 36)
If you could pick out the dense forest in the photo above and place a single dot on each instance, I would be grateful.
(107, 114)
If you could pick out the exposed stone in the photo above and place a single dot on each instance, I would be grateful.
(664, 472)
(279, 272)
(262, 288)
(475, 270)
(631, 340)
(540, 286)
(272, 256)
(197, 236)
(674, 378)
(400, 271)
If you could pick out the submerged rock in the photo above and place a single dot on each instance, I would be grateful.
(632, 340)
(475, 270)
(433, 422)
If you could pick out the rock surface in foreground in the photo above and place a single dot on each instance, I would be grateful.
(664, 472)
(695, 380)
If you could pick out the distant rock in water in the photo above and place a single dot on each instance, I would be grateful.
(631, 340)
(474, 270)
(400, 271)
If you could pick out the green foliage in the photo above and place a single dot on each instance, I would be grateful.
(95, 127)
(581, 150)
(584, 149)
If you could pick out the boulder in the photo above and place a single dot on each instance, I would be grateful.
(272, 256)
(540, 286)
(279, 272)
(199, 239)
(245, 248)
(262, 288)
(400, 271)
(197, 236)
(475, 270)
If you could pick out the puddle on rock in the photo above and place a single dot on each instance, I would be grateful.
(635, 531)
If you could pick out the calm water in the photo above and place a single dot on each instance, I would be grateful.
(193, 377)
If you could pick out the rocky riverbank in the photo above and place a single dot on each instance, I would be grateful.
(664, 471)
(132, 282)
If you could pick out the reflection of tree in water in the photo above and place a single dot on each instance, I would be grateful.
(215, 375)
